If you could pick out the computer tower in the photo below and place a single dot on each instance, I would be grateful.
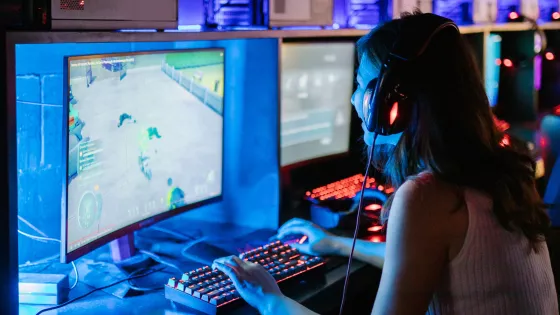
(402, 6)
(300, 13)
(233, 14)
(113, 14)
(511, 10)
(485, 11)
(530, 9)
(548, 10)
(459, 11)
(89, 15)
(363, 13)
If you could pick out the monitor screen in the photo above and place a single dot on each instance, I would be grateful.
(493, 65)
(145, 140)
(317, 84)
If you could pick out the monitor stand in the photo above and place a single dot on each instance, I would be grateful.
(125, 260)
(125, 256)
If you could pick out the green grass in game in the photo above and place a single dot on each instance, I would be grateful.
(207, 77)
(206, 66)
(194, 59)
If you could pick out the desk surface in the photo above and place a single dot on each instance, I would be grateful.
(156, 304)
(322, 297)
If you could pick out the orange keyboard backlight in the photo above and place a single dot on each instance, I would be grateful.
(345, 188)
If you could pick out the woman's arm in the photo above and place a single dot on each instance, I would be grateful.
(280, 304)
(321, 243)
(368, 252)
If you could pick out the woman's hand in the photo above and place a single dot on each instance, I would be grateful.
(319, 242)
(254, 284)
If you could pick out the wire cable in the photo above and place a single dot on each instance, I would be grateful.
(32, 226)
(181, 236)
(46, 239)
(538, 30)
(148, 272)
(191, 244)
(360, 208)
(159, 260)
(143, 289)
(38, 238)
(77, 275)
(39, 262)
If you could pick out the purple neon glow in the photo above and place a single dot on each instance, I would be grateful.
(460, 11)
(537, 72)
(546, 9)
(191, 12)
(362, 14)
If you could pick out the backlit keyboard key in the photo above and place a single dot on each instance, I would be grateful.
(172, 282)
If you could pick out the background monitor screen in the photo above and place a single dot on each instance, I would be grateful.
(317, 84)
(145, 138)
(493, 65)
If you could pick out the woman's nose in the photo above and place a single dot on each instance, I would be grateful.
(354, 102)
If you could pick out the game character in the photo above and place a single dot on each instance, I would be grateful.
(175, 196)
(145, 166)
(153, 132)
(75, 124)
(216, 85)
(89, 75)
(124, 117)
(71, 99)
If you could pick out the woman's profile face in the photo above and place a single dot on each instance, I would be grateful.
(367, 72)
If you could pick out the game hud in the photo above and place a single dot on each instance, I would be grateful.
(317, 85)
(145, 136)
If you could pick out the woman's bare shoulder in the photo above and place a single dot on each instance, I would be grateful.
(431, 196)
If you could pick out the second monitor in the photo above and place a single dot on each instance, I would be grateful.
(317, 84)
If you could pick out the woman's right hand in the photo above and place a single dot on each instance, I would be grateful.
(319, 242)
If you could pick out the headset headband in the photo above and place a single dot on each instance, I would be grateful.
(387, 107)
(415, 36)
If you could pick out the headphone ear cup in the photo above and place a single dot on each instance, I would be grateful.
(389, 99)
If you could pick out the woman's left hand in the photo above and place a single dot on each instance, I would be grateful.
(254, 284)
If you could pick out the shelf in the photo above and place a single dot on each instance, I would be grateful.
(25, 37)
(510, 27)
(551, 26)
(22, 37)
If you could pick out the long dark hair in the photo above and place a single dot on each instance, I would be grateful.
(452, 132)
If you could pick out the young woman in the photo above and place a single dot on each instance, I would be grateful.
(466, 226)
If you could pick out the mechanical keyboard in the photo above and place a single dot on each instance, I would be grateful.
(345, 188)
(212, 292)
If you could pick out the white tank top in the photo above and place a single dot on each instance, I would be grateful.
(496, 272)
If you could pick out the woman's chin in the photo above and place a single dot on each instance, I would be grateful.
(381, 140)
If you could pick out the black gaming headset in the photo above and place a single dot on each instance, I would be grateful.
(388, 103)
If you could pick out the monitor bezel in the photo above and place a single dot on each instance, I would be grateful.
(65, 256)
(322, 158)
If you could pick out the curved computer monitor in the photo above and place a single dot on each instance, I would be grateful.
(144, 142)
(317, 85)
